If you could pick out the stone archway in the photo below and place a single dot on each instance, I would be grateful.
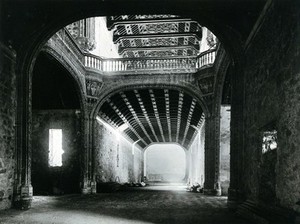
(27, 52)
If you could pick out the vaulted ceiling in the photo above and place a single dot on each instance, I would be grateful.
(154, 115)
(155, 35)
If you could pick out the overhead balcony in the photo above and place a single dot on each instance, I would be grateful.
(115, 66)
(131, 66)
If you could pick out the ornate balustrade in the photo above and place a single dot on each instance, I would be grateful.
(126, 65)
(206, 58)
(137, 65)
(154, 64)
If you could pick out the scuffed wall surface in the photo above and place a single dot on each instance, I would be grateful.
(272, 101)
(56, 180)
(196, 158)
(7, 122)
(225, 149)
(115, 161)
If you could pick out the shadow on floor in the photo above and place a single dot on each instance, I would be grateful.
(141, 205)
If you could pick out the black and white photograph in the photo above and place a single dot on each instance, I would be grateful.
(149, 111)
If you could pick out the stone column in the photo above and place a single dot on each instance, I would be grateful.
(23, 190)
(86, 184)
(89, 179)
(212, 151)
(235, 192)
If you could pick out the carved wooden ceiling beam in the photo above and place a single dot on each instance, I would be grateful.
(136, 118)
(134, 20)
(156, 114)
(145, 114)
(180, 103)
(114, 107)
(197, 35)
(167, 101)
(145, 49)
(187, 127)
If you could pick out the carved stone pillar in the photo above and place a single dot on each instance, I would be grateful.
(235, 192)
(212, 151)
(93, 90)
(86, 184)
(89, 180)
(23, 190)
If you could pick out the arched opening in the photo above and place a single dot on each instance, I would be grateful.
(133, 119)
(225, 117)
(165, 164)
(56, 129)
(206, 87)
(257, 81)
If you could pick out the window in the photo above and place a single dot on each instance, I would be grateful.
(55, 147)
(269, 141)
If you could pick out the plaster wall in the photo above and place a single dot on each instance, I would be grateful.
(7, 125)
(115, 161)
(272, 101)
(56, 180)
(196, 158)
(105, 46)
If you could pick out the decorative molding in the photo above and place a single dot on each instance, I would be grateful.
(206, 85)
(93, 87)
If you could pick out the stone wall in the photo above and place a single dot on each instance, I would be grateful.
(272, 102)
(225, 148)
(56, 180)
(196, 158)
(7, 122)
(115, 161)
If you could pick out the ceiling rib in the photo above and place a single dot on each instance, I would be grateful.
(156, 114)
(116, 38)
(193, 104)
(123, 95)
(114, 107)
(180, 102)
(145, 113)
(166, 91)
(106, 118)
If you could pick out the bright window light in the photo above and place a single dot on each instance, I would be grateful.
(123, 127)
(55, 147)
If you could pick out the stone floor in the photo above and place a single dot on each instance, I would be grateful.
(157, 204)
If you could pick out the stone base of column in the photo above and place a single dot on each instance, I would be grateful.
(90, 188)
(23, 199)
(233, 199)
(93, 187)
(213, 192)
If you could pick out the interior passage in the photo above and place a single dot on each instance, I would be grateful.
(151, 204)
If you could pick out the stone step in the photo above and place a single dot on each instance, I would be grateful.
(265, 214)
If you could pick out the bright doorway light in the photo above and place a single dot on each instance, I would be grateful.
(55, 147)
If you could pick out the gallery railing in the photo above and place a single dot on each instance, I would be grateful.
(122, 65)
(137, 65)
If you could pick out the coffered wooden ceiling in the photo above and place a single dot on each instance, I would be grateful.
(155, 35)
(154, 115)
